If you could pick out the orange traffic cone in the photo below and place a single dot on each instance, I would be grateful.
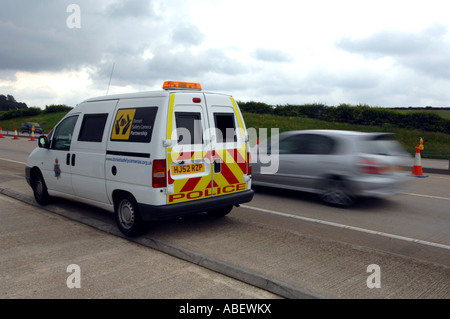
(1, 133)
(32, 138)
(16, 137)
(417, 168)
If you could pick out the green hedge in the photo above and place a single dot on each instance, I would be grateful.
(32, 111)
(56, 108)
(20, 113)
(360, 114)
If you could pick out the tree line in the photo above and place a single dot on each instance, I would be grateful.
(360, 114)
(8, 102)
(32, 111)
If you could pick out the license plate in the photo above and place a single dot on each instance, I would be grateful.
(188, 169)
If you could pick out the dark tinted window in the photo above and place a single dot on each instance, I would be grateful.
(307, 144)
(225, 128)
(381, 145)
(92, 127)
(189, 128)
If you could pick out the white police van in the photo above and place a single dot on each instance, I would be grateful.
(147, 156)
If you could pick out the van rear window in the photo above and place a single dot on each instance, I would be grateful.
(189, 128)
(225, 128)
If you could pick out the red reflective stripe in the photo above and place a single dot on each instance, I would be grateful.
(228, 174)
(238, 159)
(191, 184)
(185, 156)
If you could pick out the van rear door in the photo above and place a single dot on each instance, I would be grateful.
(229, 148)
(188, 148)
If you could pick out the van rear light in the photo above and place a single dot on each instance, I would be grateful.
(370, 166)
(159, 178)
(249, 164)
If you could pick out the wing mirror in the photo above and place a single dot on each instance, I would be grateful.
(43, 142)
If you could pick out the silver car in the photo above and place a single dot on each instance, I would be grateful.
(340, 166)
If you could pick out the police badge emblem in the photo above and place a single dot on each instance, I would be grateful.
(57, 169)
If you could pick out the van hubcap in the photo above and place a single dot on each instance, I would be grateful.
(126, 214)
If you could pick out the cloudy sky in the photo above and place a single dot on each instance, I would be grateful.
(380, 53)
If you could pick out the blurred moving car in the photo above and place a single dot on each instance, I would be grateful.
(27, 127)
(340, 166)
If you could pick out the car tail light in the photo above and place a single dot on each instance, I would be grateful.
(159, 174)
(370, 166)
(249, 164)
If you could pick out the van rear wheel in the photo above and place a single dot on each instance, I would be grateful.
(127, 216)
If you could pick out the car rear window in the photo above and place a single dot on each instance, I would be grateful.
(381, 145)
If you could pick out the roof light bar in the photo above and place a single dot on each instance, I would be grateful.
(181, 85)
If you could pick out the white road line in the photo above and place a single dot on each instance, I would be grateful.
(368, 231)
(12, 161)
(427, 196)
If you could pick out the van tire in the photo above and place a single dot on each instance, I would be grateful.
(220, 212)
(127, 216)
(39, 187)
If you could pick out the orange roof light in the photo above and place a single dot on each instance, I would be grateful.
(181, 85)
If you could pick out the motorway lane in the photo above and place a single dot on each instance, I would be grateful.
(16, 150)
(408, 215)
(421, 212)
(267, 243)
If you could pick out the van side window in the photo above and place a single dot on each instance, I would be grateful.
(189, 128)
(62, 138)
(92, 127)
(225, 128)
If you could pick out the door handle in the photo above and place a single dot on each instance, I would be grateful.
(217, 166)
(69, 160)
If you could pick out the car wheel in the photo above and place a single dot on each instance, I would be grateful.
(336, 192)
(127, 216)
(220, 212)
(39, 187)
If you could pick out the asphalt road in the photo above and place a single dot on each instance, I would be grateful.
(295, 241)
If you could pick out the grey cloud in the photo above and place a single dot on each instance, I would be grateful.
(426, 51)
(396, 43)
(187, 34)
(186, 63)
(272, 55)
(130, 8)
(35, 37)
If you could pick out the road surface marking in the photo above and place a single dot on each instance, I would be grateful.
(12, 161)
(368, 231)
(427, 196)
